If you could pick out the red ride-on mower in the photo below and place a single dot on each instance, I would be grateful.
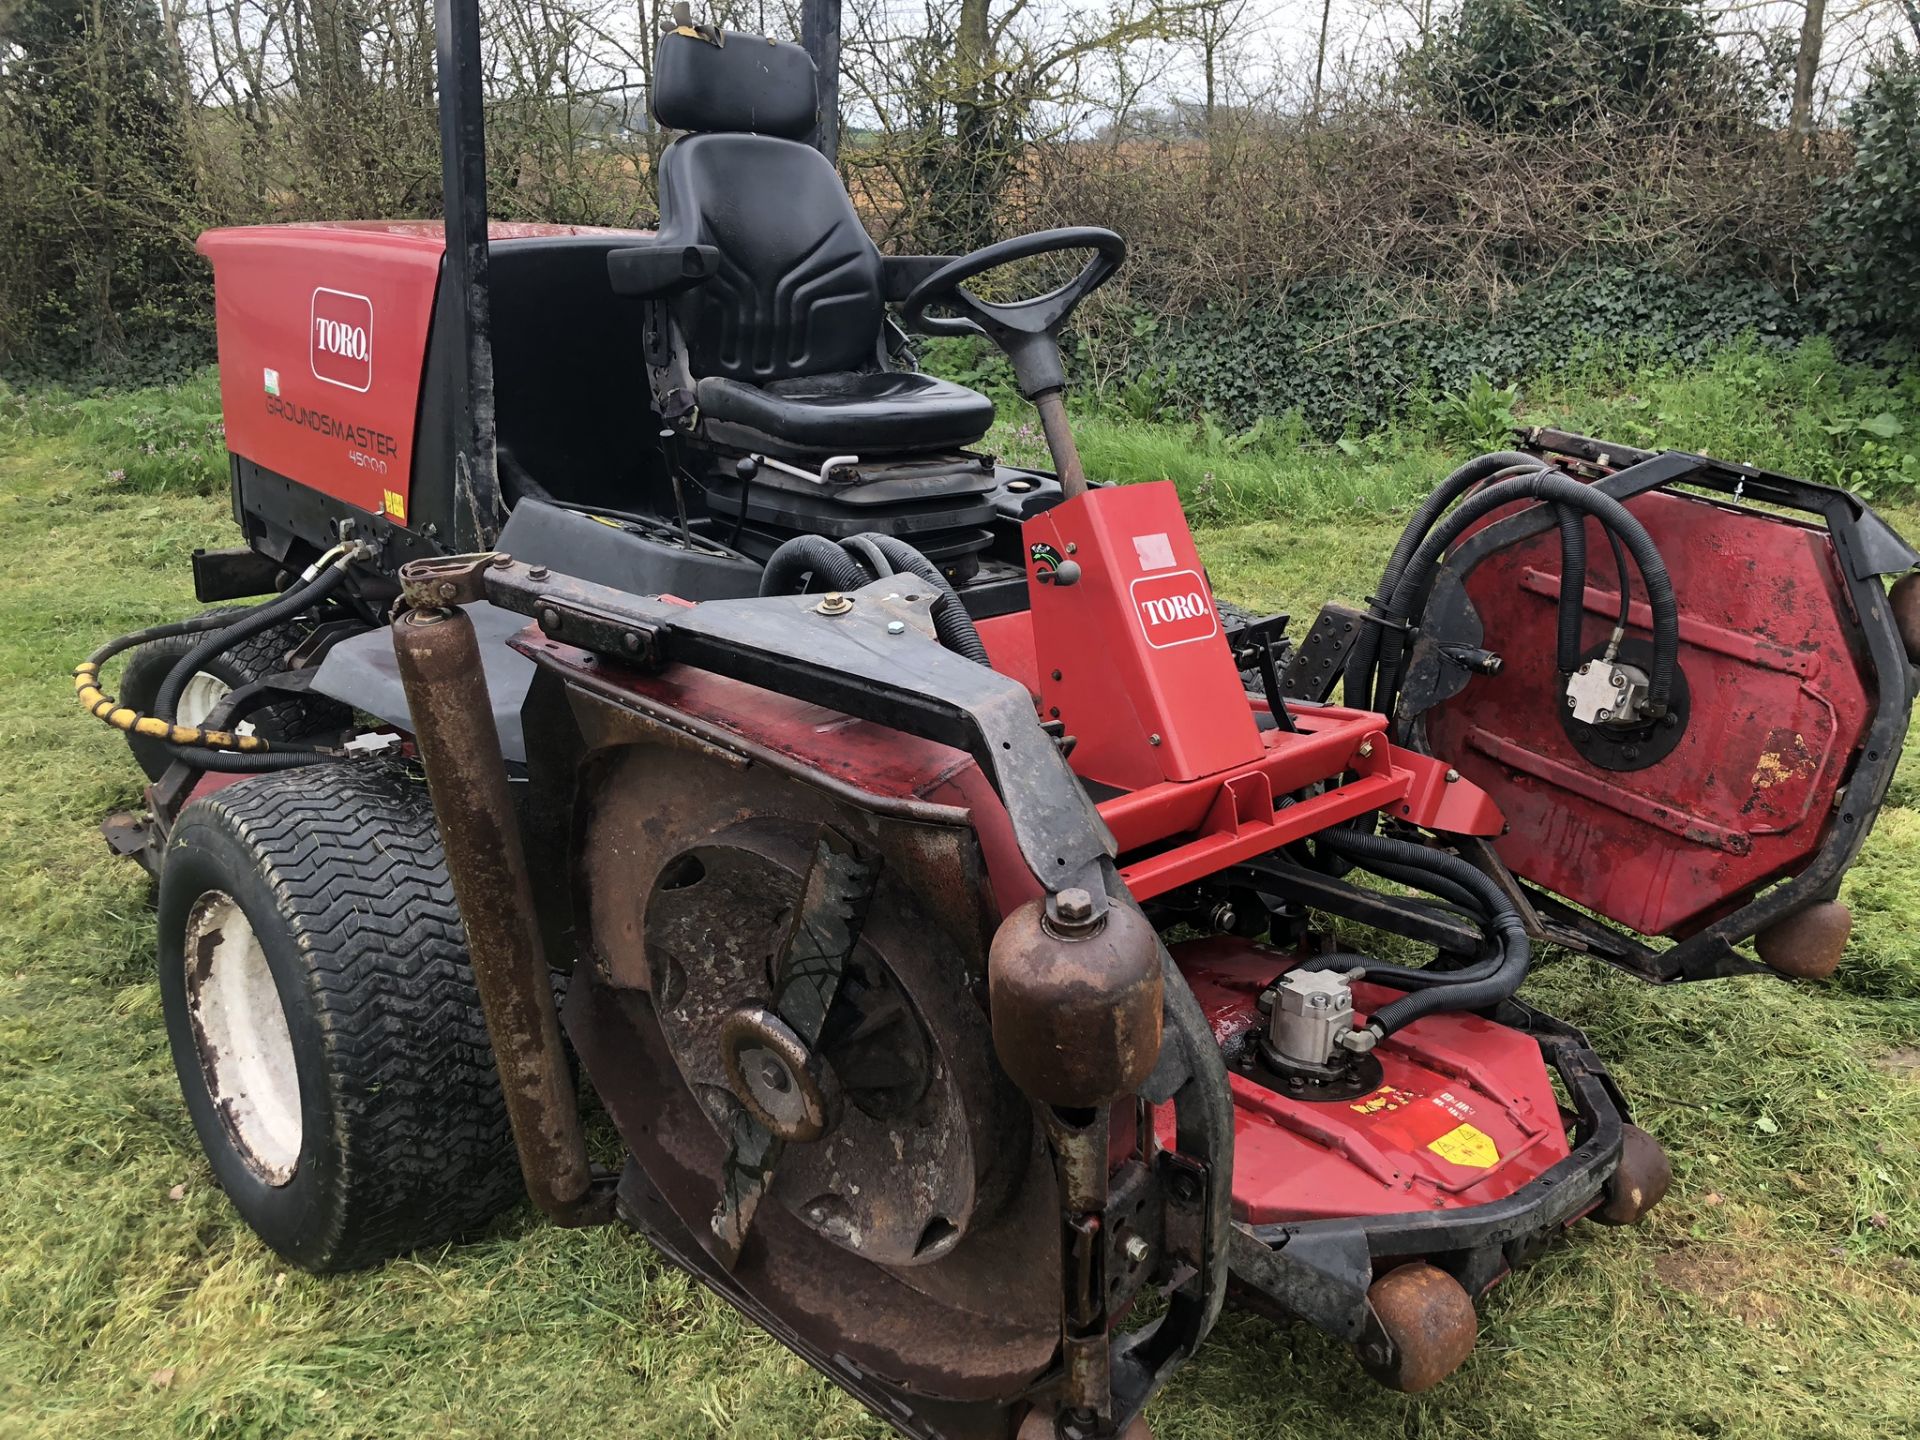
(938, 875)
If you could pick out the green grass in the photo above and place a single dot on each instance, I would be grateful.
(1776, 1295)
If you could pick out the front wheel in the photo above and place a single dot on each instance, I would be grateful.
(323, 1017)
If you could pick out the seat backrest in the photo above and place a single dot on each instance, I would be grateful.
(798, 290)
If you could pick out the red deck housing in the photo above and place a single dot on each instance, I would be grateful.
(1465, 1112)
(1775, 661)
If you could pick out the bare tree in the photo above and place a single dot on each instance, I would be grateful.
(1806, 66)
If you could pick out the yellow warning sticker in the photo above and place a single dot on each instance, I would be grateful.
(1467, 1145)
(395, 504)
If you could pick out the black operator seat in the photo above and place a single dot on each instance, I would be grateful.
(775, 298)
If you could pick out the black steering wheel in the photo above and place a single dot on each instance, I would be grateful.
(1028, 330)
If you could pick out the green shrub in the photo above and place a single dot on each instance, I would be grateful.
(1481, 417)
(1872, 220)
(1348, 357)
(1550, 64)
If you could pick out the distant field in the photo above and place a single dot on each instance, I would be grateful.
(1776, 1295)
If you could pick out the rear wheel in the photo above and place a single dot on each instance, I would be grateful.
(323, 1017)
(252, 659)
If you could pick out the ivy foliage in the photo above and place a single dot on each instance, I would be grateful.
(1530, 65)
(1346, 357)
(1872, 220)
(95, 168)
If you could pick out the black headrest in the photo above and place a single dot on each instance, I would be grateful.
(745, 83)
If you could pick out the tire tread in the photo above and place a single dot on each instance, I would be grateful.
(353, 859)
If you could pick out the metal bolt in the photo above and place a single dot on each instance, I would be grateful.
(1317, 1002)
(1452, 775)
(774, 1077)
(896, 627)
(1074, 906)
(501, 561)
(1153, 739)
(1072, 549)
(549, 619)
(1056, 674)
(1137, 1249)
(1619, 681)
(834, 603)
(630, 640)
(537, 572)
(1366, 749)
(448, 590)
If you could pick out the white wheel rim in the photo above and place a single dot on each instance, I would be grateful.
(245, 1045)
(200, 695)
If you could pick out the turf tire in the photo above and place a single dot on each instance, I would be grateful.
(252, 659)
(404, 1141)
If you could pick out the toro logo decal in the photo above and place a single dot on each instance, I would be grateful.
(340, 337)
(1174, 608)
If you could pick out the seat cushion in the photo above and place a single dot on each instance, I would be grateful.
(845, 413)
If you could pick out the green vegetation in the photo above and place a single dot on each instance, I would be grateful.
(1776, 1296)
(1799, 410)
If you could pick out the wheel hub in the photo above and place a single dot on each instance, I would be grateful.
(240, 1030)
(773, 1074)
(201, 696)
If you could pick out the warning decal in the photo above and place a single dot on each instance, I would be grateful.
(1467, 1145)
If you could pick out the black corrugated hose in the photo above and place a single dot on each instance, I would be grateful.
(1416, 582)
(814, 562)
(1472, 987)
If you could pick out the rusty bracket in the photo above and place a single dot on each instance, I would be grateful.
(1186, 1184)
(1135, 1216)
(448, 579)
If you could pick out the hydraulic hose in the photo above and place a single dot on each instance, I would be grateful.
(1573, 587)
(1472, 987)
(1551, 487)
(951, 622)
(1433, 883)
(866, 557)
(1366, 649)
(868, 554)
(815, 556)
(209, 748)
(166, 704)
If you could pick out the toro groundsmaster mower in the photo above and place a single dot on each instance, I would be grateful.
(658, 687)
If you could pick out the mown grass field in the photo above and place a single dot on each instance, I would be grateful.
(1775, 1296)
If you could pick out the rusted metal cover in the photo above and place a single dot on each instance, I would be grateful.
(1076, 1017)
(966, 1310)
